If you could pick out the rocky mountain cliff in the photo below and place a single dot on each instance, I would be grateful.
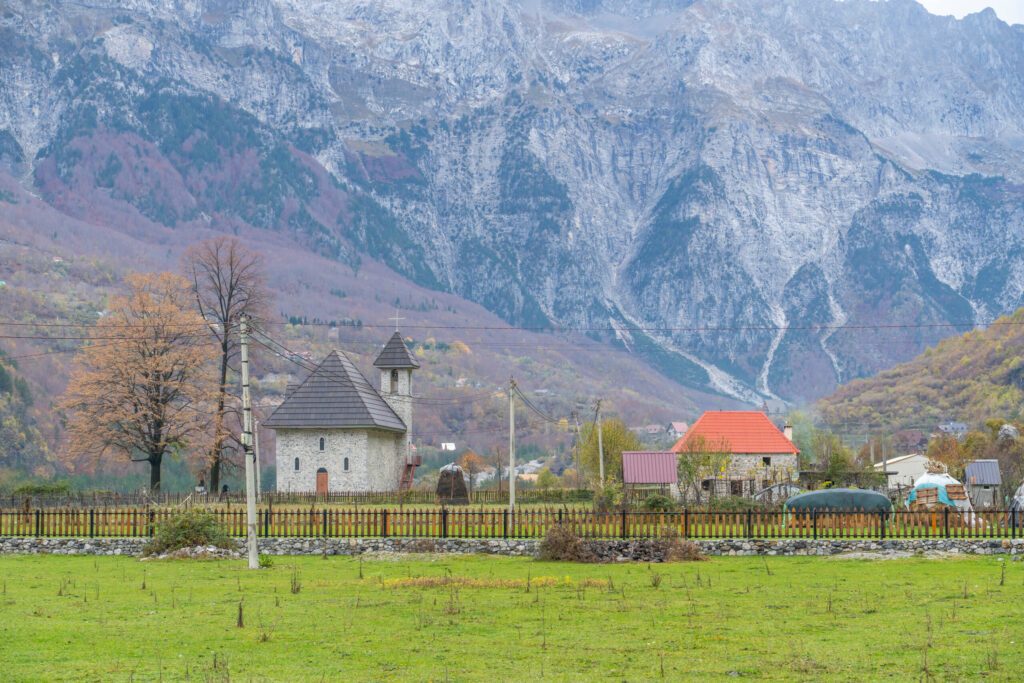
(737, 187)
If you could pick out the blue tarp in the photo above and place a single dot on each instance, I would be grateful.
(943, 496)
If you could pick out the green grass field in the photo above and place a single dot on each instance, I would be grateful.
(483, 618)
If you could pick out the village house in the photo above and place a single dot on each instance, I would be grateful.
(335, 432)
(756, 454)
(904, 470)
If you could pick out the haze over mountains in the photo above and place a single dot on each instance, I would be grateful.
(754, 182)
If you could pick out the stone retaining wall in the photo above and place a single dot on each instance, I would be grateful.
(610, 550)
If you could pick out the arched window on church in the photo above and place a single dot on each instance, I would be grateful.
(394, 381)
(323, 443)
(345, 464)
(296, 464)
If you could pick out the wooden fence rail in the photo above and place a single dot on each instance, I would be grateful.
(526, 523)
(108, 499)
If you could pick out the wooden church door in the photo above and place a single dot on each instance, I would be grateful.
(321, 481)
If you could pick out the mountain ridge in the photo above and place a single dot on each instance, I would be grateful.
(716, 170)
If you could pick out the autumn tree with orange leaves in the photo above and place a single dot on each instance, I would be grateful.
(142, 388)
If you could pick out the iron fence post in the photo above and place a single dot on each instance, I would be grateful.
(504, 523)
(945, 520)
(623, 529)
(881, 527)
(39, 523)
(1013, 523)
(384, 524)
(444, 522)
(814, 522)
(750, 528)
(92, 522)
(324, 516)
(152, 521)
(559, 517)
(686, 523)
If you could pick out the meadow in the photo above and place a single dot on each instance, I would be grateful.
(448, 618)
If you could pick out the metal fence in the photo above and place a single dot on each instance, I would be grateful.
(528, 523)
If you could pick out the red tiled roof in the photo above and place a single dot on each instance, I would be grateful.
(739, 431)
(649, 467)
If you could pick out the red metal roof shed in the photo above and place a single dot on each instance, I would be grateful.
(649, 467)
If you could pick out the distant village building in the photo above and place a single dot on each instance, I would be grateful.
(759, 453)
(983, 481)
(903, 470)
(676, 429)
(335, 432)
(952, 428)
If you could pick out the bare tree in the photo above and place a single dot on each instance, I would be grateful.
(227, 280)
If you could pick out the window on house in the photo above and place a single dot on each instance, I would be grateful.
(394, 381)
(323, 442)
(345, 464)
(296, 464)
(767, 461)
(736, 488)
(705, 485)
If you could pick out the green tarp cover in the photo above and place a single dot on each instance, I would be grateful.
(839, 499)
(943, 496)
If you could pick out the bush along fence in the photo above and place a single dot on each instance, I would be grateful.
(529, 523)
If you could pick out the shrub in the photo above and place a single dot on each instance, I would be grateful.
(608, 497)
(734, 504)
(659, 503)
(50, 488)
(266, 561)
(561, 544)
(674, 549)
(187, 530)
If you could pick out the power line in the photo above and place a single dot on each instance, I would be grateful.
(703, 328)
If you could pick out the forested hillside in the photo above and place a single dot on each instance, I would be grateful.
(971, 378)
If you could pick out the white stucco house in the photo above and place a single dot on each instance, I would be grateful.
(336, 433)
(903, 470)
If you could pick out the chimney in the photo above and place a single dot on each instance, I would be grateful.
(787, 431)
(290, 389)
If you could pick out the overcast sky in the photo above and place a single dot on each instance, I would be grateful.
(1010, 11)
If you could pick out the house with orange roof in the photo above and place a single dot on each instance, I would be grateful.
(753, 453)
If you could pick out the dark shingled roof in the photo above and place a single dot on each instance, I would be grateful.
(335, 395)
(395, 354)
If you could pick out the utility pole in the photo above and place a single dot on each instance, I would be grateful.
(248, 452)
(576, 447)
(600, 442)
(885, 468)
(511, 445)
(256, 458)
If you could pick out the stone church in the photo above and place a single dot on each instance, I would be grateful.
(335, 432)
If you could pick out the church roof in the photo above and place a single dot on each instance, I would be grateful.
(335, 395)
(395, 354)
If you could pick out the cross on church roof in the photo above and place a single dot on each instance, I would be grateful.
(396, 318)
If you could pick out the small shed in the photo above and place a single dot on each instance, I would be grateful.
(451, 486)
(983, 481)
(650, 471)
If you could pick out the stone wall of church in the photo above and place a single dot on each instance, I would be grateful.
(387, 458)
(374, 457)
(304, 444)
